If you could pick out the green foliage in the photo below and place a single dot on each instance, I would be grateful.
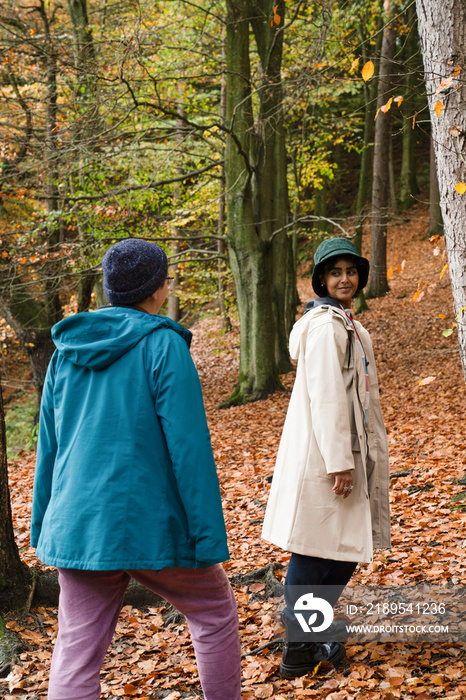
(325, 111)
(142, 109)
(21, 432)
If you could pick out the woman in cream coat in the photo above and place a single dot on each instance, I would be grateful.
(328, 503)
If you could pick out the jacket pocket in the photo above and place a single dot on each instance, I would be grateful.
(355, 444)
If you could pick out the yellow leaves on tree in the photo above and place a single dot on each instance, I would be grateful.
(367, 71)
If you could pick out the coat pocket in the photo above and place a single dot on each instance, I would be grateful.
(355, 444)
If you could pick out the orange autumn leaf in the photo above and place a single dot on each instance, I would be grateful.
(438, 108)
(130, 689)
(396, 680)
(387, 105)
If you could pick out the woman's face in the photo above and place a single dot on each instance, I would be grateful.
(342, 281)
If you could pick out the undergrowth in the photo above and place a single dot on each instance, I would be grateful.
(21, 430)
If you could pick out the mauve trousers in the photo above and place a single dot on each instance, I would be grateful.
(88, 610)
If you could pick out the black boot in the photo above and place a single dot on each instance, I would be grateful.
(299, 659)
(337, 632)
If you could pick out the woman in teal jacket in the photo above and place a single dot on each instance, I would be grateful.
(126, 484)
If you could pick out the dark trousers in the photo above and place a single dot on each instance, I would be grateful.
(324, 578)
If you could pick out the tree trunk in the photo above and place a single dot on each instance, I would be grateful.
(391, 178)
(443, 42)
(32, 325)
(435, 212)
(271, 183)
(370, 94)
(408, 181)
(365, 168)
(87, 281)
(173, 311)
(257, 200)
(15, 577)
(221, 216)
(86, 126)
(320, 208)
(378, 285)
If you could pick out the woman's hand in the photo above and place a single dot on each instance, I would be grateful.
(343, 485)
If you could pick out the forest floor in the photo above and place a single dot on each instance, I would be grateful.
(423, 400)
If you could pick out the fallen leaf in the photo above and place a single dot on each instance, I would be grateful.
(425, 381)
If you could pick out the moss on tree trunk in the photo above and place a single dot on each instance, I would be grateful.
(260, 247)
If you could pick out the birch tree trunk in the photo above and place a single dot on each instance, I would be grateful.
(443, 43)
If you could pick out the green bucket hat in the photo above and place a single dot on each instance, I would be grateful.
(337, 248)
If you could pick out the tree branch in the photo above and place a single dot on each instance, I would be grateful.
(138, 188)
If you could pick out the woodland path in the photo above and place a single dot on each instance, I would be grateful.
(427, 439)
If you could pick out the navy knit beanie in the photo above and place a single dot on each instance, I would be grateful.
(133, 270)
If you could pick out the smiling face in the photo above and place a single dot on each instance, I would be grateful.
(341, 281)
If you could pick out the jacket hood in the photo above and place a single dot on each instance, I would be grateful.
(97, 339)
(300, 327)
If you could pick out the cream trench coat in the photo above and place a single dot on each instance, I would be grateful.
(324, 433)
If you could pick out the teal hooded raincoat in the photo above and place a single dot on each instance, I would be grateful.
(125, 476)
